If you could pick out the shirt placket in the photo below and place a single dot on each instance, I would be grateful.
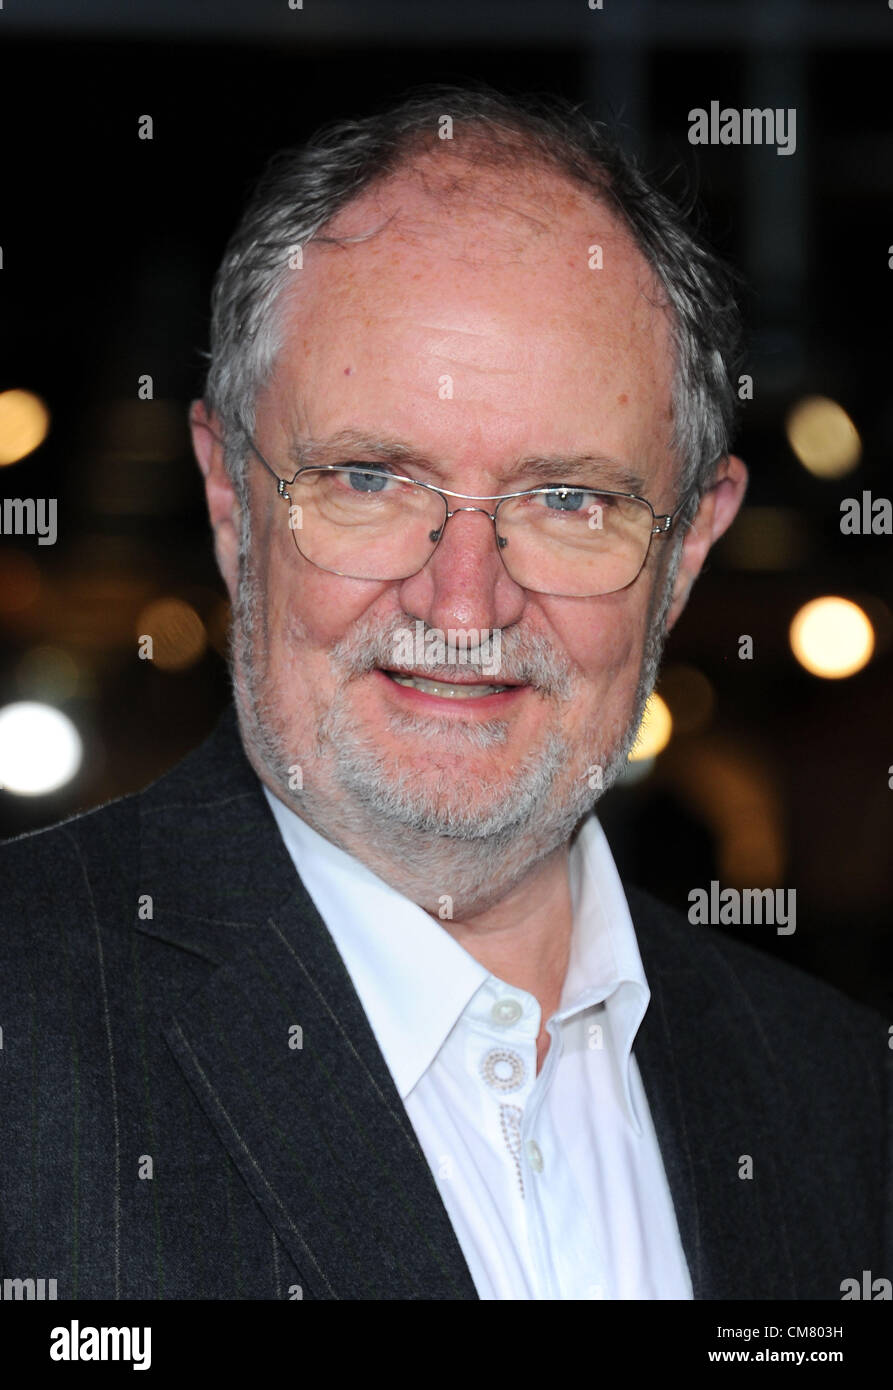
(537, 1167)
(506, 1033)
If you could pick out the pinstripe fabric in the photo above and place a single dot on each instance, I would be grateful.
(154, 955)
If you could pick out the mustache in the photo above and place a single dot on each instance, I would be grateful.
(526, 658)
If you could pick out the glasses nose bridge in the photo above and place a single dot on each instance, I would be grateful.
(500, 540)
(491, 515)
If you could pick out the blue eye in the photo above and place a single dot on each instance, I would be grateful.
(371, 481)
(565, 499)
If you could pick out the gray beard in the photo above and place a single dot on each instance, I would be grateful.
(421, 834)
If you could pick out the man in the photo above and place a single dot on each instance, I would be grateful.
(352, 1004)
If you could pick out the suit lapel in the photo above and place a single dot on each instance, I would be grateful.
(714, 1100)
(277, 1048)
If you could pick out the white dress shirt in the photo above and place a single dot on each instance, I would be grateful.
(554, 1184)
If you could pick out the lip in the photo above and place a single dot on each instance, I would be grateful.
(420, 699)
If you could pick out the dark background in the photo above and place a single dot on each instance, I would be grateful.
(774, 777)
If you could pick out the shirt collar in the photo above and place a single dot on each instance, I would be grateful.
(415, 981)
(605, 964)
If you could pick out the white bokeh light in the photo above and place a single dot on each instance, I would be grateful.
(832, 637)
(40, 748)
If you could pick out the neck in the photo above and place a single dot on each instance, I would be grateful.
(483, 884)
(524, 938)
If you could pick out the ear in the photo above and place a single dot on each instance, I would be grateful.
(223, 505)
(717, 510)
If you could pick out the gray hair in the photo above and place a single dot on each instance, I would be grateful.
(303, 189)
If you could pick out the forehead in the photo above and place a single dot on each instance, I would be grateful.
(523, 293)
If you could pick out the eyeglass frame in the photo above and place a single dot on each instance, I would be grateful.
(666, 518)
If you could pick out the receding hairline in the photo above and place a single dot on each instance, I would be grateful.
(366, 216)
(494, 159)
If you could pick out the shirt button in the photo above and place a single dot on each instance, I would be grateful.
(503, 1070)
(534, 1153)
(506, 1011)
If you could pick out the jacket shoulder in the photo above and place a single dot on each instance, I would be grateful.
(53, 874)
(47, 872)
(785, 1002)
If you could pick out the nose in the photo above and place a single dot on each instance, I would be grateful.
(465, 583)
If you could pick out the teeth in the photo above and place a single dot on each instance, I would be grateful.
(445, 689)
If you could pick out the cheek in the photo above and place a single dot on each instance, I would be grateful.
(308, 611)
(606, 643)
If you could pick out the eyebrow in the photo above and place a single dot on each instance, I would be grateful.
(348, 445)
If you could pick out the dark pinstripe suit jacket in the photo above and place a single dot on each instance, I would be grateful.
(154, 955)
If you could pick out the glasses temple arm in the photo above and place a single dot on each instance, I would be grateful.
(693, 491)
(256, 451)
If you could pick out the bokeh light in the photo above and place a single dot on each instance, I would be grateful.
(832, 637)
(654, 730)
(178, 634)
(40, 748)
(823, 437)
(24, 421)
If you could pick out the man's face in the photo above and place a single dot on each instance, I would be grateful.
(544, 356)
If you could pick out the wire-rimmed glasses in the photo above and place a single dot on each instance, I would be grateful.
(363, 521)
